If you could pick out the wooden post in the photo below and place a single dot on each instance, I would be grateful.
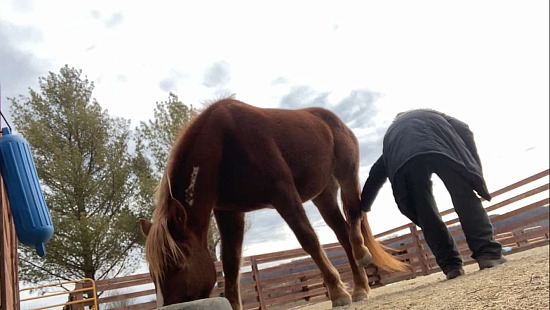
(78, 297)
(257, 280)
(419, 250)
(9, 280)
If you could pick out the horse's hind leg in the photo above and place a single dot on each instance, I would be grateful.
(327, 204)
(346, 167)
(231, 227)
(352, 209)
(289, 206)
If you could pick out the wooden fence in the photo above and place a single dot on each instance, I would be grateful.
(287, 279)
(9, 280)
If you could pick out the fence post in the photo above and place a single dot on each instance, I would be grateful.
(9, 277)
(257, 280)
(419, 250)
(77, 297)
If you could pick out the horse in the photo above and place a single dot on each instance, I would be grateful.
(235, 158)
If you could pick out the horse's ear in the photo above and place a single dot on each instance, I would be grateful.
(178, 220)
(145, 226)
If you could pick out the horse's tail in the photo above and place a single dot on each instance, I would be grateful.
(380, 256)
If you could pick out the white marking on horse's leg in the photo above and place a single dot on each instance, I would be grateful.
(160, 299)
(190, 191)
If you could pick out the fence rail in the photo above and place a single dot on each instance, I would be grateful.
(76, 298)
(290, 278)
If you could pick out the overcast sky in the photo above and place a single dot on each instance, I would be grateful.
(484, 62)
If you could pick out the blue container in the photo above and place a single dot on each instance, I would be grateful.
(31, 217)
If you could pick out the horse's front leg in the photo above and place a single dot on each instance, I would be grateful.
(231, 227)
(290, 208)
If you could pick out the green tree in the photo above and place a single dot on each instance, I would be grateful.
(154, 141)
(155, 137)
(88, 178)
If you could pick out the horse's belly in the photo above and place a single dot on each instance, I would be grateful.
(249, 192)
(241, 207)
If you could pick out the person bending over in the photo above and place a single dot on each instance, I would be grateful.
(417, 144)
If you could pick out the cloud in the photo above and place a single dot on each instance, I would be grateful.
(19, 69)
(114, 20)
(96, 14)
(91, 48)
(279, 81)
(370, 146)
(22, 6)
(169, 83)
(266, 225)
(111, 21)
(121, 78)
(358, 109)
(303, 96)
(218, 75)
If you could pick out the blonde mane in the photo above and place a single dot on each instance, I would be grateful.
(160, 247)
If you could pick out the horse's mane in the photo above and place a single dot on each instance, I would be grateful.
(160, 247)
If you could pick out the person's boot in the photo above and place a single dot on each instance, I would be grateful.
(487, 262)
(453, 273)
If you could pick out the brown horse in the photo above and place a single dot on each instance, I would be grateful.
(234, 158)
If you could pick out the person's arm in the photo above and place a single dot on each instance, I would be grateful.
(375, 181)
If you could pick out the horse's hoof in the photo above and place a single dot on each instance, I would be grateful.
(359, 296)
(365, 261)
(342, 301)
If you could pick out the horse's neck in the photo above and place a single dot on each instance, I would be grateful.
(194, 171)
(198, 222)
(197, 215)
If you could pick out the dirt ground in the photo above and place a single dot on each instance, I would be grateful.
(520, 283)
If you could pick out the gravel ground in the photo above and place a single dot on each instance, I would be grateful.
(520, 283)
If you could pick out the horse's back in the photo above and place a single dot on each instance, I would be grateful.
(311, 131)
(272, 122)
(262, 147)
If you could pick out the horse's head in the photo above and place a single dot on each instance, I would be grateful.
(179, 263)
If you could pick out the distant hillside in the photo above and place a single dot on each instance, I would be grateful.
(522, 217)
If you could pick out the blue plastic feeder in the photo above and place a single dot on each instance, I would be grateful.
(32, 220)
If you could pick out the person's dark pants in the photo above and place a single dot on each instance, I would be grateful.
(422, 210)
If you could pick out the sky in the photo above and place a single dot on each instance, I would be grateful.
(484, 62)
